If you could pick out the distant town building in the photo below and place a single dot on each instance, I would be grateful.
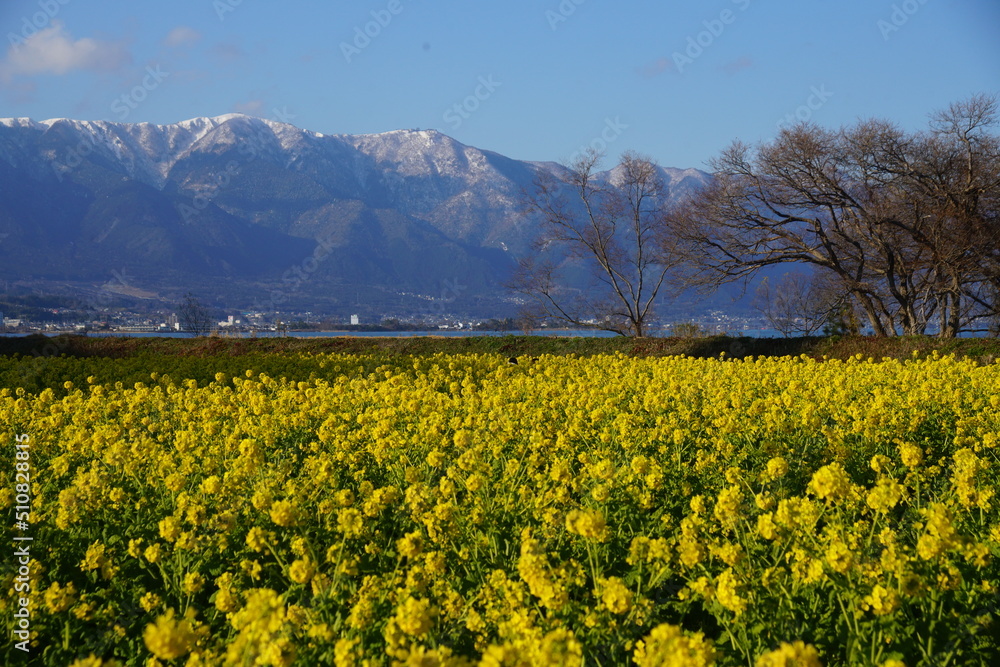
(355, 319)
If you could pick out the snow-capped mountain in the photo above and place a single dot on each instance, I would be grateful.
(237, 202)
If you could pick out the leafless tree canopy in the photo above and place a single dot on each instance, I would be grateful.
(905, 224)
(613, 228)
(194, 318)
(800, 303)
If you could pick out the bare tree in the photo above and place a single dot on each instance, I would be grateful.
(799, 303)
(787, 202)
(193, 317)
(608, 227)
(950, 177)
(905, 224)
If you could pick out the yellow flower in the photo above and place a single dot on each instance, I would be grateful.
(299, 546)
(193, 582)
(170, 528)
(415, 617)
(7, 498)
(85, 609)
(350, 522)
(226, 599)
(776, 468)
(764, 501)
(911, 455)
(727, 592)
(797, 513)
(830, 482)
(615, 595)
(169, 638)
(601, 493)
(210, 486)
(135, 548)
(796, 654)
(284, 513)
(766, 526)
(150, 601)
(153, 552)
(967, 466)
(668, 646)
(262, 631)
(343, 651)
(939, 535)
(881, 601)
(344, 498)
(262, 499)
(727, 506)
(462, 438)
(839, 557)
(533, 568)
(880, 463)
(94, 559)
(59, 598)
(703, 587)
(587, 523)
(257, 538)
(301, 571)
(886, 494)
(410, 545)
(93, 661)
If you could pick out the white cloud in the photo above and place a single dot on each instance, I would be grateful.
(182, 35)
(54, 51)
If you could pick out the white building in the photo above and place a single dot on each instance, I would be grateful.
(355, 319)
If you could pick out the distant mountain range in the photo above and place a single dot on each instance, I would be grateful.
(255, 214)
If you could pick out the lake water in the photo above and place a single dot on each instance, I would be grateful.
(447, 333)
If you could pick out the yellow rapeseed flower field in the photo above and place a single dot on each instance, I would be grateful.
(461, 510)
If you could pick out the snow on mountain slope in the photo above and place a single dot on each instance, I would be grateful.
(468, 193)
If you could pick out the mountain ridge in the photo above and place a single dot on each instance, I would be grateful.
(234, 202)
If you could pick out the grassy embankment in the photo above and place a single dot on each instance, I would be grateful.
(986, 350)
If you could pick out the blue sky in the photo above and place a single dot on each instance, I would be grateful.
(535, 80)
